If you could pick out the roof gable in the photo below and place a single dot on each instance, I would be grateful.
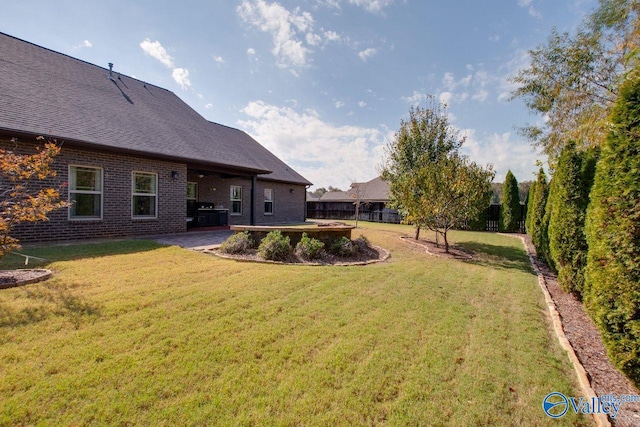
(43, 92)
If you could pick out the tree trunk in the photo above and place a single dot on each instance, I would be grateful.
(357, 212)
(446, 242)
(417, 235)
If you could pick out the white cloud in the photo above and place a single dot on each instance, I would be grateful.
(310, 145)
(503, 152)
(339, 104)
(313, 39)
(527, 4)
(283, 26)
(480, 95)
(457, 90)
(445, 98)
(157, 51)
(84, 44)
(373, 6)
(219, 59)
(332, 36)
(251, 51)
(367, 53)
(208, 106)
(181, 76)
(415, 99)
(362, 104)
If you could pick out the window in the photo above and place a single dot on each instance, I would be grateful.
(192, 191)
(145, 195)
(236, 200)
(85, 192)
(268, 201)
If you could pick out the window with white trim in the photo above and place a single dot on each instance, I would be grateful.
(144, 190)
(85, 192)
(268, 201)
(236, 200)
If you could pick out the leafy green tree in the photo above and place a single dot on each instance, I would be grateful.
(422, 140)
(510, 209)
(612, 291)
(431, 183)
(573, 79)
(568, 202)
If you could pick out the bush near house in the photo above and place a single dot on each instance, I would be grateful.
(612, 290)
(275, 246)
(342, 247)
(309, 248)
(239, 243)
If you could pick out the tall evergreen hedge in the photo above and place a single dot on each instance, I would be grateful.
(612, 289)
(567, 208)
(528, 223)
(537, 211)
(510, 209)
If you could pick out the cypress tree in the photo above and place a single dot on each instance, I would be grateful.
(510, 209)
(567, 206)
(538, 230)
(531, 194)
(612, 288)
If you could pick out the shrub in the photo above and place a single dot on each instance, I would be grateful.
(275, 246)
(309, 248)
(362, 244)
(342, 247)
(239, 243)
(510, 209)
(612, 286)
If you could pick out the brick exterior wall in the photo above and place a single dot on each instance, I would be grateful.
(117, 197)
(289, 199)
(288, 206)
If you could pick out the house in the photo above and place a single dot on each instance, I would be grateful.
(135, 158)
(373, 197)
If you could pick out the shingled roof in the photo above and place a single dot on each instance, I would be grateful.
(43, 92)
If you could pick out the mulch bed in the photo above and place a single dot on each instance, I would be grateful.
(361, 257)
(584, 337)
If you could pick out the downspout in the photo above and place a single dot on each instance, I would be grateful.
(252, 218)
(306, 189)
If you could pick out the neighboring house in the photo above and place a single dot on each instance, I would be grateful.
(135, 158)
(312, 197)
(373, 197)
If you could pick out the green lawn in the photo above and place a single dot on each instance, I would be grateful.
(132, 333)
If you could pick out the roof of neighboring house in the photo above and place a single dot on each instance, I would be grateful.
(43, 92)
(312, 197)
(336, 196)
(376, 190)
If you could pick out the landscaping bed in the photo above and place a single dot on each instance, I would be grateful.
(374, 254)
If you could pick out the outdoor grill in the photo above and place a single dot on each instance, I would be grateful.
(208, 215)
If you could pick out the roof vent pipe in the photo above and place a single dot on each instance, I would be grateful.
(110, 70)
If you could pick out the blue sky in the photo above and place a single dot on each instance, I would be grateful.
(323, 84)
